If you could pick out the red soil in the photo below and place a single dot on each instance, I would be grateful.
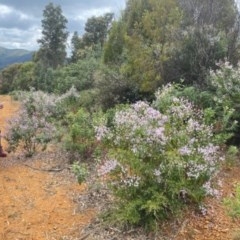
(36, 205)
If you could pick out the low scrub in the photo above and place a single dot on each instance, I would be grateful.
(80, 139)
(36, 123)
(233, 203)
(161, 158)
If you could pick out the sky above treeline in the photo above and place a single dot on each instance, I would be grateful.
(20, 20)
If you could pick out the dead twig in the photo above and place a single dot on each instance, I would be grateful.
(46, 170)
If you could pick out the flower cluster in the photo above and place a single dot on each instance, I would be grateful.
(101, 132)
(165, 151)
(107, 167)
(225, 83)
(140, 127)
(210, 190)
(131, 181)
(33, 126)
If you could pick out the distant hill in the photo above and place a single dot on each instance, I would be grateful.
(11, 56)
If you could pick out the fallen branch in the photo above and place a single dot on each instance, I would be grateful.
(85, 236)
(46, 170)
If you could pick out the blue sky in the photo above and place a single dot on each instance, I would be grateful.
(20, 20)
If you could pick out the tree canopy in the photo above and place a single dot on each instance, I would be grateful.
(52, 52)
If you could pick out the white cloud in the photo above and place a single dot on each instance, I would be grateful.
(25, 16)
(20, 20)
(92, 12)
(19, 38)
(5, 10)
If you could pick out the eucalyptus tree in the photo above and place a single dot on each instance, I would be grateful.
(209, 33)
(96, 29)
(75, 45)
(93, 39)
(52, 52)
(150, 40)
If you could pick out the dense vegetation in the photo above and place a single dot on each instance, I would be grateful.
(153, 96)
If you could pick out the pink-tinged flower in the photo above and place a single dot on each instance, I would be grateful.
(107, 167)
(101, 132)
(185, 151)
(131, 181)
(159, 132)
(157, 172)
(203, 210)
(210, 190)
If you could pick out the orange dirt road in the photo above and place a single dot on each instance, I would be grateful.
(36, 205)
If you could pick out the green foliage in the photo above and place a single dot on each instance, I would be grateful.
(112, 88)
(68, 102)
(25, 77)
(150, 41)
(233, 203)
(7, 78)
(81, 134)
(43, 78)
(200, 49)
(80, 171)
(231, 155)
(88, 100)
(225, 84)
(114, 47)
(52, 51)
(134, 12)
(75, 44)
(96, 29)
(157, 42)
(160, 159)
(218, 116)
(207, 35)
(79, 74)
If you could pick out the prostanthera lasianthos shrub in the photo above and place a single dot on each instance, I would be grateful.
(225, 83)
(35, 124)
(32, 128)
(217, 113)
(158, 161)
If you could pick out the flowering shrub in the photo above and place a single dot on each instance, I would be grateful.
(215, 111)
(29, 132)
(69, 101)
(161, 158)
(226, 80)
(34, 125)
(226, 85)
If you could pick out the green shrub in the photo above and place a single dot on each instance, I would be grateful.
(80, 171)
(225, 84)
(233, 204)
(160, 159)
(231, 155)
(216, 113)
(81, 134)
